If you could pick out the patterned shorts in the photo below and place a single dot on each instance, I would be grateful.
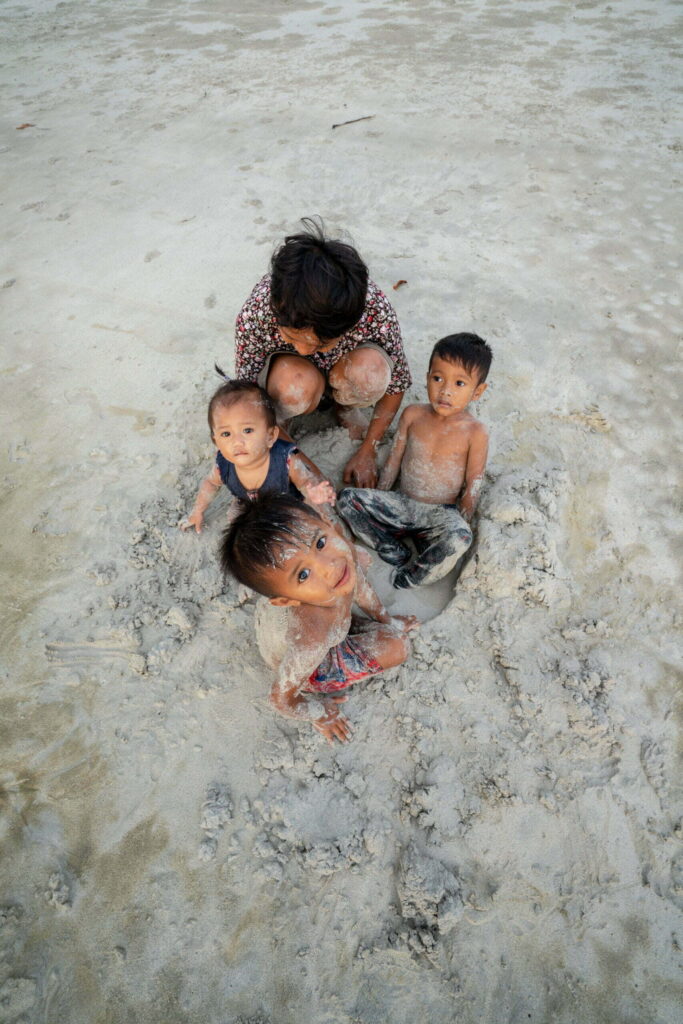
(342, 666)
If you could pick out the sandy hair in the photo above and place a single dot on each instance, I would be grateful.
(263, 529)
(233, 391)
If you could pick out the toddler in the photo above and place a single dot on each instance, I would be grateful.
(251, 460)
(440, 450)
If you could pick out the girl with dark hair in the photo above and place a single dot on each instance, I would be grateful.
(316, 324)
(251, 460)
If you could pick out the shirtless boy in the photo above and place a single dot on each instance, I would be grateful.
(309, 578)
(440, 450)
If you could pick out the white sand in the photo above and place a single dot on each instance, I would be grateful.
(502, 840)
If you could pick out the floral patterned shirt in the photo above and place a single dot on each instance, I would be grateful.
(257, 336)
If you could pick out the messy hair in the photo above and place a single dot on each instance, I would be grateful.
(233, 391)
(264, 528)
(469, 350)
(317, 282)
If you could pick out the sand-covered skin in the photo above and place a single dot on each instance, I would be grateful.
(502, 839)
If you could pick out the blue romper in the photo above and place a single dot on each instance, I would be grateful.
(277, 479)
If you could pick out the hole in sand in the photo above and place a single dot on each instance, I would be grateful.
(424, 602)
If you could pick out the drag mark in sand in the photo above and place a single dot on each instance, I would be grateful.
(144, 421)
(89, 652)
(116, 330)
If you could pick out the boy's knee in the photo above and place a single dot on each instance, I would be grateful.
(345, 499)
(397, 650)
(402, 649)
(465, 537)
(350, 503)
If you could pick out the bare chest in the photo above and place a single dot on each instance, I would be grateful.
(434, 463)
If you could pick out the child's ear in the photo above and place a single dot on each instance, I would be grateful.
(274, 434)
(479, 390)
(284, 602)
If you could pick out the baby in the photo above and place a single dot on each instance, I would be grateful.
(440, 450)
(251, 460)
(310, 578)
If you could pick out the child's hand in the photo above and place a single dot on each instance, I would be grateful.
(321, 494)
(406, 623)
(333, 724)
(196, 519)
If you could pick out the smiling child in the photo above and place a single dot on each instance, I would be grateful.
(309, 578)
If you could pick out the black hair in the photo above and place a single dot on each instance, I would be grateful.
(262, 529)
(469, 350)
(317, 282)
(234, 390)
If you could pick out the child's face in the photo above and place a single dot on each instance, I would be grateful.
(451, 387)
(305, 340)
(241, 432)
(318, 570)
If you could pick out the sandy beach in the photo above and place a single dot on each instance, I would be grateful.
(502, 841)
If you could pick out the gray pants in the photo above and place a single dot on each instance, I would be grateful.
(381, 519)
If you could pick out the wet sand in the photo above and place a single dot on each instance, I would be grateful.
(502, 839)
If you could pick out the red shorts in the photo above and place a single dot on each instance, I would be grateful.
(342, 666)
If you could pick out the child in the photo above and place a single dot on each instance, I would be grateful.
(441, 451)
(310, 578)
(251, 460)
(317, 322)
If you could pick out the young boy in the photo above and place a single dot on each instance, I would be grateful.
(309, 578)
(441, 451)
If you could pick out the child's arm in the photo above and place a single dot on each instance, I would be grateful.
(293, 704)
(391, 467)
(369, 602)
(207, 492)
(367, 599)
(474, 470)
(306, 476)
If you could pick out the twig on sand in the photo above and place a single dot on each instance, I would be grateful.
(354, 120)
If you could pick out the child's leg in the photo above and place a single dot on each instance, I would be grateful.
(382, 643)
(442, 537)
(378, 518)
(371, 648)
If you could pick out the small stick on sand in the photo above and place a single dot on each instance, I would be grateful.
(368, 117)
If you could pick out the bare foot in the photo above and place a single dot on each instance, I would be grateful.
(355, 420)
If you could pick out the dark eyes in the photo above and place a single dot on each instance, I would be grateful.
(248, 430)
(225, 433)
(460, 383)
(320, 543)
